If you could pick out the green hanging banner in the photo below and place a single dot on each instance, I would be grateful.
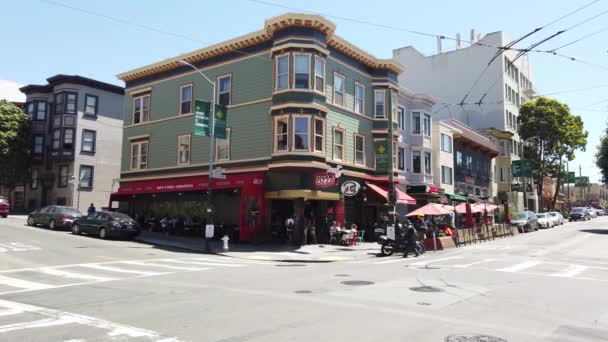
(219, 122)
(381, 151)
(201, 118)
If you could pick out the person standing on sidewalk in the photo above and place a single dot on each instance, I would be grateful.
(91, 209)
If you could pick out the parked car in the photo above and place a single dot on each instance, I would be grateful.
(5, 207)
(54, 217)
(557, 217)
(544, 220)
(107, 224)
(579, 213)
(525, 221)
(592, 212)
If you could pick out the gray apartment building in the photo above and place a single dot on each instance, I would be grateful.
(76, 141)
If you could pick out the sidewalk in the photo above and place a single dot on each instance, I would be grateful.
(266, 252)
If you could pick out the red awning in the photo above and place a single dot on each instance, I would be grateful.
(402, 197)
(199, 183)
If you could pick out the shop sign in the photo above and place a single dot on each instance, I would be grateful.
(350, 188)
(382, 156)
(324, 180)
(433, 189)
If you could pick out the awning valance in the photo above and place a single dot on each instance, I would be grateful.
(306, 194)
(402, 197)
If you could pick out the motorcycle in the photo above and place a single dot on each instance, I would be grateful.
(388, 246)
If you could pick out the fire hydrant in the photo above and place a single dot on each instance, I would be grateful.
(225, 239)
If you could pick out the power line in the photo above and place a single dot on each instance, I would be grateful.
(571, 13)
(574, 90)
(579, 39)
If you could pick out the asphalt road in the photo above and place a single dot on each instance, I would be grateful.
(550, 285)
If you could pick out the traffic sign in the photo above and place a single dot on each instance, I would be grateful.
(521, 168)
(581, 181)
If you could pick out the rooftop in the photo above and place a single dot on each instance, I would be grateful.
(73, 79)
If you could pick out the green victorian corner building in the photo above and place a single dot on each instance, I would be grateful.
(301, 102)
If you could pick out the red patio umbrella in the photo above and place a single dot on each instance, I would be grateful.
(432, 209)
(462, 208)
(468, 217)
(507, 216)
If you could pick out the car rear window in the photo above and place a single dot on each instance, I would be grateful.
(70, 211)
(577, 210)
(120, 216)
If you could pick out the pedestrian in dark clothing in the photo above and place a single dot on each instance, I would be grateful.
(410, 241)
(91, 209)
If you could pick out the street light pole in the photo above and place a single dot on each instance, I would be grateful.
(211, 143)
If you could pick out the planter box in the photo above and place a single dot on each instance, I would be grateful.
(442, 243)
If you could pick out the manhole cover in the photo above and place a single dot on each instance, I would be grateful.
(424, 303)
(302, 291)
(473, 338)
(357, 282)
(426, 289)
(342, 275)
(290, 265)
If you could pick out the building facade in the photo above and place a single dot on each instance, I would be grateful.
(443, 159)
(77, 130)
(300, 101)
(495, 94)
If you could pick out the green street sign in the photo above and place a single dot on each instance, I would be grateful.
(201, 118)
(381, 151)
(581, 181)
(521, 168)
(568, 178)
(221, 114)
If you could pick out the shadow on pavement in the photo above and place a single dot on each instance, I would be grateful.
(595, 231)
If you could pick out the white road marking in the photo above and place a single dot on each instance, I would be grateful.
(66, 274)
(43, 323)
(571, 271)
(9, 312)
(156, 264)
(16, 247)
(202, 262)
(23, 284)
(390, 261)
(426, 262)
(118, 270)
(520, 267)
(473, 263)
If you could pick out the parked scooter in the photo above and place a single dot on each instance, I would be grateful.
(389, 246)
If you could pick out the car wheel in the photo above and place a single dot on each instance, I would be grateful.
(52, 224)
(76, 229)
(30, 221)
(103, 234)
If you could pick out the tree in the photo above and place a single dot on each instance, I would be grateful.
(601, 156)
(553, 134)
(15, 142)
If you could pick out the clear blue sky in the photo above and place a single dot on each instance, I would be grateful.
(41, 39)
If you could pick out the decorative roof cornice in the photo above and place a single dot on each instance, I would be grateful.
(270, 27)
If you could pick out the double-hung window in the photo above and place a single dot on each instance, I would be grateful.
(63, 176)
(446, 143)
(359, 97)
(91, 105)
(139, 155)
(40, 111)
(416, 162)
(56, 139)
(282, 72)
(70, 103)
(319, 134)
(34, 175)
(416, 123)
(223, 146)
(141, 109)
(59, 103)
(446, 175)
(459, 160)
(281, 133)
(338, 144)
(359, 149)
(379, 99)
(338, 90)
(427, 163)
(29, 109)
(88, 141)
(319, 74)
(401, 118)
(301, 70)
(86, 177)
(401, 158)
(395, 155)
(394, 107)
(185, 99)
(301, 133)
(68, 138)
(224, 96)
(183, 149)
(427, 125)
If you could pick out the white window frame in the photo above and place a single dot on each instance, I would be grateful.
(357, 100)
(142, 115)
(228, 141)
(276, 133)
(315, 135)
(139, 145)
(401, 118)
(293, 132)
(322, 75)
(295, 56)
(219, 91)
(376, 92)
(420, 124)
(447, 169)
(427, 130)
(336, 76)
(419, 152)
(362, 151)
(449, 140)
(341, 158)
(430, 163)
(394, 105)
(181, 98)
(180, 150)
(276, 71)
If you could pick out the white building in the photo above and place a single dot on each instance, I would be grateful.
(494, 97)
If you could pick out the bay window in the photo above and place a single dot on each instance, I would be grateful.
(40, 111)
(359, 93)
(401, 118)
(427, 125)
(56, 139)
(319, 74)
(282, 72)
(394, 107)
(379, 99)
(301, 70)
(427, 163)
(59, 103)
(319, 134)
(416, 167)
(416, 123)
(281, 133)
(301, 132)
(68, 139)
(338, 90)
(70, 103)
(401, 158)
(34, 184)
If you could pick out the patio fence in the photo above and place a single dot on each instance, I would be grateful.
(463, 236)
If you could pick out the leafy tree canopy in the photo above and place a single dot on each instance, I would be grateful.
(601, 156)
(15, 143)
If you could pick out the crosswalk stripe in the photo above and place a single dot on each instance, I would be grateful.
(426, 262)
(23, 284)
(11, 311)
(119, 270)
(571, 271)
(66, 274)
(473, 263)
(520, 267)
(156, 264)
(390, 261)
(204, 263)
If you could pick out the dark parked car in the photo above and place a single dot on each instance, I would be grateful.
(525, 221)
(106, 224)
(54, 216)
(579, 214)
(5, 207)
